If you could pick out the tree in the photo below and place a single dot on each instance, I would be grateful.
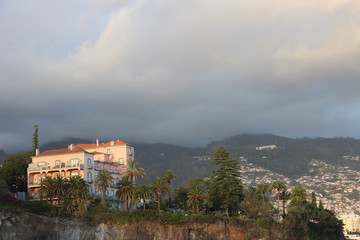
(79, 192)
(14, 171)
(254, 206)
(35, 141)
(196, 195)
(284, 196)
(143, 192)
(226, 180)
(59, 188)
(133, 170)
(299, 215)
(102, 182)
(159, 186)
(168, 176)
(279, 186)
(46, 188)
(126, 190)
(263, 188)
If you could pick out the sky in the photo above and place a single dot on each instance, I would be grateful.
(184, 72)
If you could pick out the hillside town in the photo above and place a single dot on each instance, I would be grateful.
(335, 186)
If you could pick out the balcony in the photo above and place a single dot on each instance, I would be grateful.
(34, 167)
(90, 166)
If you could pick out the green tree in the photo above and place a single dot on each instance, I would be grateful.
(133, 170)
(195, 197)
(126, 190)
(299, 215)
(254, 206)
(226, 181)
(59, 188)
(160, 187)
(278, 185)
(284, 196)
(263, 188)
(143, 192)
(46, 188)
(35, 142)
(79, 192)
(14, 171)
(102, 182)
(168, 176)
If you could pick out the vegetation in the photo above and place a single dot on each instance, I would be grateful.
(35, 143)
(14, 171)
(102, 182)
(226, 187)
(220, 197)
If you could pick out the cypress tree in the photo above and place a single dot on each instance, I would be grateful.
(35, 142)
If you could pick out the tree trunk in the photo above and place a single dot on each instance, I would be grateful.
(283, 210)
(197, 205)
(144, 205)
(159, 197)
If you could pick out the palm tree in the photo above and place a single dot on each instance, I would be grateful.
(284, 196)
(168, 176)
(59, 187)
(263, 188)
(298, 194)
(79, 192)
(133, 170)
(143, 192)
(196, 194)
(46, 188)
(279, 186)
(102, 182)
(126, 190)
(159, 186)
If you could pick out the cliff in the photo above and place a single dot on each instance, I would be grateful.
(27, 226)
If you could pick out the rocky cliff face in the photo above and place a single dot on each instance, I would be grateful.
(34, 227)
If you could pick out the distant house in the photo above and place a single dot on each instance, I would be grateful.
(267, 147)
(84, 160)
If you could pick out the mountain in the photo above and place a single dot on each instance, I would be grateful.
(291, 157)
(2, 156)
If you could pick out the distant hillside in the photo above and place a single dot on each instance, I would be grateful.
(291, 158)
(2, 156)
(63, 143)
(293, 155)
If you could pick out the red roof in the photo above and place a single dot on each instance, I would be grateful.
(93, 145)
(61, 151)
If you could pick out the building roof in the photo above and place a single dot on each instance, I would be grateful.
(93, 145)
(61, 151)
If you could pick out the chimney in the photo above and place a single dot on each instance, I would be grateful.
(112, 143)
(71, 147)
(37, 152)
(97, 142)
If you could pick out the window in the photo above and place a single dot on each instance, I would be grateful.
(107, 151)
(74, 162)
(89, 161)
(90, 190)
(89, 176)
(121, 161)
(41, 165)
(73, 174)
(57, 163)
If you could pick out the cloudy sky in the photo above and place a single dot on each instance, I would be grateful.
(178, 71)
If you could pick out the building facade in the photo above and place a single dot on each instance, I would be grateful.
(84, 160)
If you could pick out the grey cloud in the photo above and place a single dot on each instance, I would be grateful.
(185, 72)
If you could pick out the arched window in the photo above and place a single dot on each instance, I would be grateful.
(89, 161)
(90, 190)
(89, 176)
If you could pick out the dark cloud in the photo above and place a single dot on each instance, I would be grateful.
(185, 72)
